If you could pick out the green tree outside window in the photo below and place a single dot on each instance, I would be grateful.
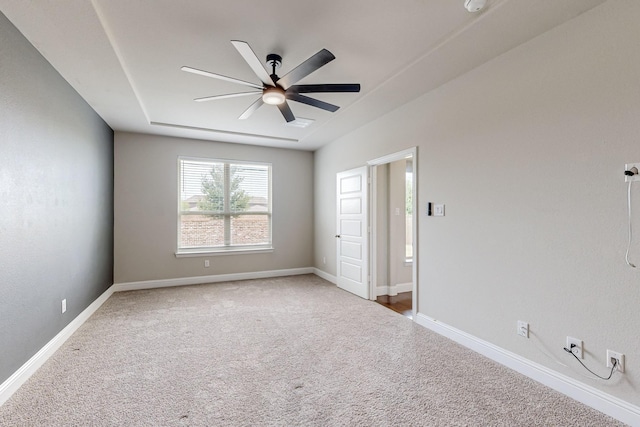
(213, 190)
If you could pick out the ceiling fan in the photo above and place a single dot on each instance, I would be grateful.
(277, 90)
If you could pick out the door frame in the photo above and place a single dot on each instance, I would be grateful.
(373, 221)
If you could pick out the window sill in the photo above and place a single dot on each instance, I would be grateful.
(238, 251)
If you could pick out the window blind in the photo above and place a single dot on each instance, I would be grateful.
(223, 205)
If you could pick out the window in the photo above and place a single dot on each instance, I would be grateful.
(409, 211)
(223, 206)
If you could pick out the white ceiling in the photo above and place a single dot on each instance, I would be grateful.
(124, 56)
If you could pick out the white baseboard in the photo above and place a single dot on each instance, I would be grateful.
(13, 383)
(403, 287)
(590, 396)
(326, 276)
(394, 289)
(200, 280)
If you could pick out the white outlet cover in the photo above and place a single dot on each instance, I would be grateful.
(619, 356)
(627, 167)
(523, 329)
(578, 350)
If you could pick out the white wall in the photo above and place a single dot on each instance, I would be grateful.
(146, 194)
(527, 152)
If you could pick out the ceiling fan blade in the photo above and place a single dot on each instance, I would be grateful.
(312, 101)
(230, 95)
(252, 108)
(307, 67)
(343, 87)
(247, 53)
(286, 112)
(219, 77)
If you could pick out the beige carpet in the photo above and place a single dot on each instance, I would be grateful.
(291, 351)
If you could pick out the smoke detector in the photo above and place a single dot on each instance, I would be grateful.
(475, 5)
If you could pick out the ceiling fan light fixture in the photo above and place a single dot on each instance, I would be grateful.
(273, 96)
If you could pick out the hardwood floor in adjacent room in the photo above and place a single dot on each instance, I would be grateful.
(400, 303)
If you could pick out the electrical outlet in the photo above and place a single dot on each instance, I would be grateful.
(64, 305)
(206, 263)
(617, 356)
(577, 349)
(628, 167)
(523, 329)
(324, 260)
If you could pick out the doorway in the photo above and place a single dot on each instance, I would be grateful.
(393, 259)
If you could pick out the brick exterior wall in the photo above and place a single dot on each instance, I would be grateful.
(204, 230)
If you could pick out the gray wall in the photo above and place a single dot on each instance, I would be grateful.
(56, 188)
(146, 194)
(527, 152)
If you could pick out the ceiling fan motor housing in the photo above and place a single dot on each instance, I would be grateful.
(274, 61)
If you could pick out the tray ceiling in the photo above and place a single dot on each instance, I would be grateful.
(124, 57)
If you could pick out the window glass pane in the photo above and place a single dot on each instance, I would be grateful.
(249, 188)
(409, 237)
(211, 180)
(201, 231)
(250, 229)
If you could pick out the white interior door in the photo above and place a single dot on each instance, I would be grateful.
(352, 231)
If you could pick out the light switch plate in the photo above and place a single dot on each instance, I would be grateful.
(438, 210)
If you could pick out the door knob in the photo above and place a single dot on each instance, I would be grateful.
(338, 236)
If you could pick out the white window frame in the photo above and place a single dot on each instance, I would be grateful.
(228, 248)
